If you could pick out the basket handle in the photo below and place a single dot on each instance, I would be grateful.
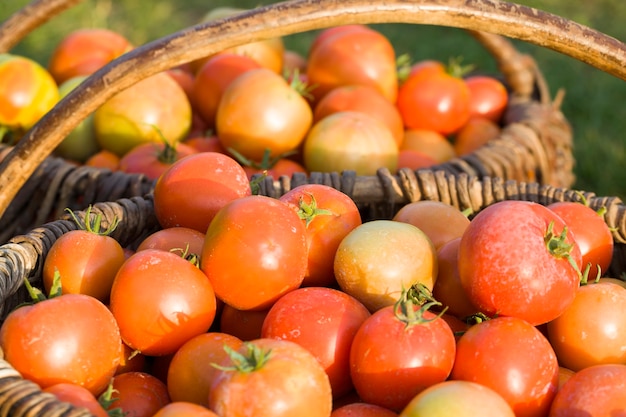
(31, 16)
(279, 19)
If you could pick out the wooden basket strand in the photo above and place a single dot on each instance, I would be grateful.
(279, 19)
(57, 185)
(30, 17)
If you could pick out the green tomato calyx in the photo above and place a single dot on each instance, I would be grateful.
(254, 359)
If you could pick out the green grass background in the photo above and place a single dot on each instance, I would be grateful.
(594, 101)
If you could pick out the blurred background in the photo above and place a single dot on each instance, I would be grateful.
(593, 103)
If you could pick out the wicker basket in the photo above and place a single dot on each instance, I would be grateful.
(488, 176)
(22, 256)
(535, 144)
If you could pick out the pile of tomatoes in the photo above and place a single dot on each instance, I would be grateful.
(246, 305)
(350, 103)
(242, 304)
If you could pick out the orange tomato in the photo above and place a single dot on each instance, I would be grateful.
(474, 134)
(191, 371)
(432, 143)
(138, 394)
(84, 51)
(366, 99)
(260, 111)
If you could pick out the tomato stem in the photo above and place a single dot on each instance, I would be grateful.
(559, 248)
(406, 307)
(106, 400)
(308, 211)
(93, 225)
(254, 359)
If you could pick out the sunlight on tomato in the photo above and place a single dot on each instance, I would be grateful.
(27, 92)
(350, 140)
(458, 399)
(377, 259)
(285, 378)
(84, 51)
(513, 358)
(597, 313)
(191, 369)
(152, 110)
(596, 391)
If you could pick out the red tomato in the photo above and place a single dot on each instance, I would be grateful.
(380, 258)
(488, 97)
(86, 260)
(366, 99)
(324, 321)
(78, 396)
(27, 92)
(350, 140)
(329, 215)
(138, 394)
(184, 409)
(440, 221)
(434, 100)
(353, 56)
(254, 252)
(448, 289)
(193, 189)
(56, 341)
(191, 370)
(244, 324)
(458, 399)
(596, 391)
(148, 111)
(180, 240)
(259, 110)
(213, 78)
(597, 313)
(283, 378)
(398, 352)
(592, 234)
(513, 358)
(533, 279)
(153, 159)
(362, 410)
(160, 300)
(84, 51)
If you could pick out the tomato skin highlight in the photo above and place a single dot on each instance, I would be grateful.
(513, 358)
(506, 268)
(324, 231)
(290, 383)
(391, 362)
(86, 262)
(191, 191)
(70, 338)
(435, 101)
(595, 314)
(160, 300)
(324, 321)
(593, 235)
(255, 250)
(596, 391)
